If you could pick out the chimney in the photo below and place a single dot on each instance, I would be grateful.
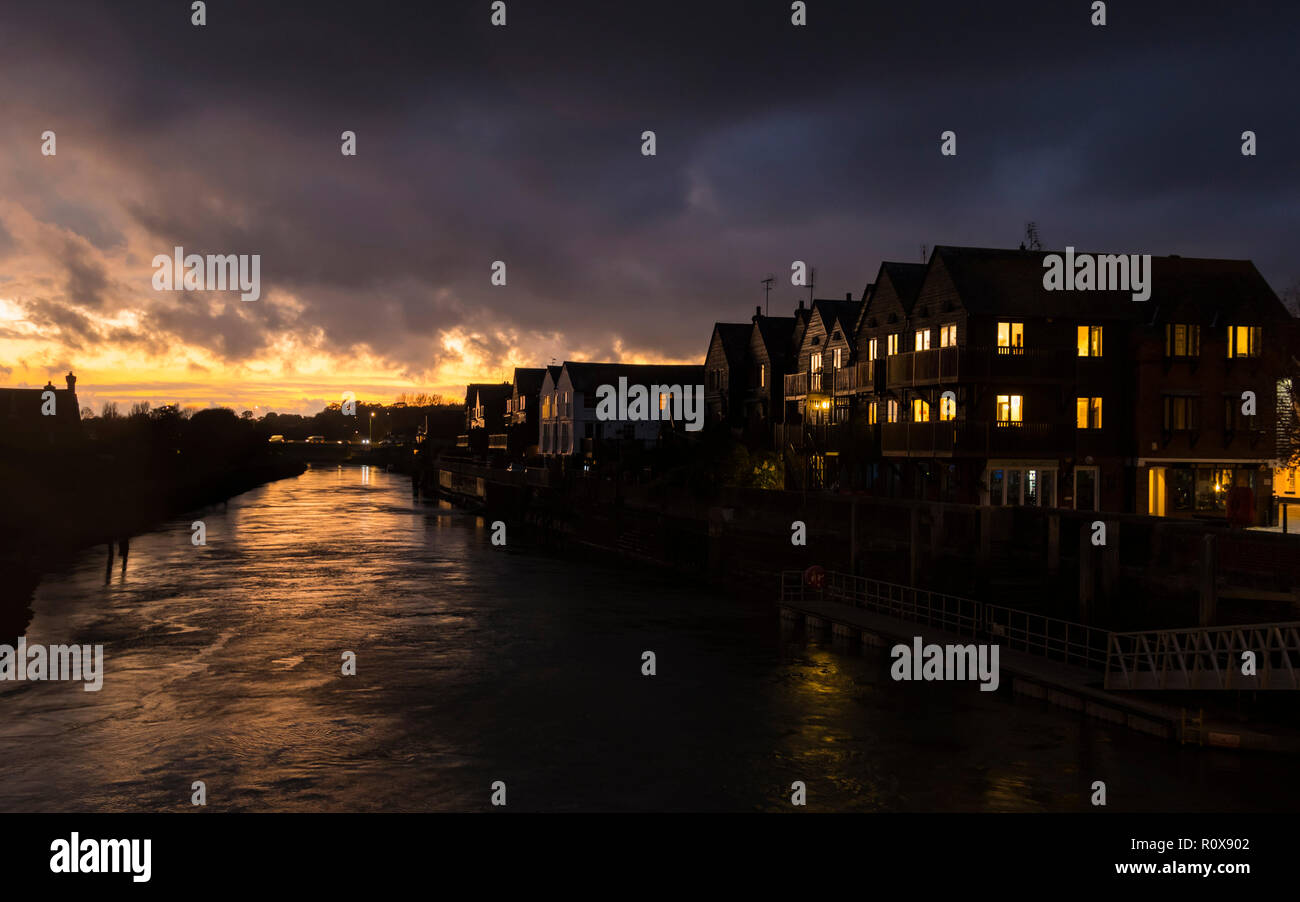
(758, 312)
(848, 295)
(801, 303)
(72, 382)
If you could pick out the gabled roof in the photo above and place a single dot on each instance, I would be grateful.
(901, 280)
(735, 340)
(843, 313)
(906, 279)
(775, 333)
(488, 392)
(528, 380)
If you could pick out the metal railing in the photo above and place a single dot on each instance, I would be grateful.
(1205, 658)
(1047, 637)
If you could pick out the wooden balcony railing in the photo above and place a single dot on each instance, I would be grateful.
(980, 364)
(977, 438)
(855, 378)
(796, 384)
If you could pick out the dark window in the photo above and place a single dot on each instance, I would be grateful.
(1182, 340)
(1182, 413)
(1182, 488)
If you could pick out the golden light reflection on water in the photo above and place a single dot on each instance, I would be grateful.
(223, 664)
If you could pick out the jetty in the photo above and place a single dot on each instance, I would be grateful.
(1071, 665)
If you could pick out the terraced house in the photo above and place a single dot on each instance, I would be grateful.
(969, 381)
(824, 360)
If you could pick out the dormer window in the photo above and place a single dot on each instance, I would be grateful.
(1182, 340)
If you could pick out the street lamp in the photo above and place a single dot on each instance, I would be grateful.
(372, 428)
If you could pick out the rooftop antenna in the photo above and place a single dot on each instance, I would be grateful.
(767, 293)
(812, 283)
(925, 252)
(1031, 242)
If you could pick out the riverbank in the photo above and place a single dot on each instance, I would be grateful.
(60, 503)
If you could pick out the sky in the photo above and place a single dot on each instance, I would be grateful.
(523, 144)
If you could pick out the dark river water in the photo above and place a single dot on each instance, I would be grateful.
(477, 664)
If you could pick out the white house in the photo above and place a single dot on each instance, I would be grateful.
(570, 417)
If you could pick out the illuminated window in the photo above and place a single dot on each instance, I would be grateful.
(762, 375)
(947, 407)
(892, 347)
(1011, 338)
(920, 411)
(873, 349)
(815, 363)
(1009, 409)
(923, 339)
(1090, 341)
(1088, 413)
(1182, 340)
(1243, 341)
(663, 400)
(948, 335)
(873, 415)
(891, 411)
(837, 359)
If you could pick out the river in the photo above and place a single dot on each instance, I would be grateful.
(477, 664)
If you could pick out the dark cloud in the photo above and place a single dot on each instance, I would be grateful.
(522, 144)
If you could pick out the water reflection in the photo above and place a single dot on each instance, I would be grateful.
(475, 663)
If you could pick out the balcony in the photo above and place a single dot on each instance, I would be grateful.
(796, 385)
(497, 441)
(924, 367)
(981, 364)
(855, 378)
(919, 439)
(965, 438)
(987, 363)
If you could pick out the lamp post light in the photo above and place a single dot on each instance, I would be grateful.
(372, 428)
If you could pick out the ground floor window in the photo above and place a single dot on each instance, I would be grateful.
(1086, 485)
(1195, 489)
(948, 482)
(1022, 486)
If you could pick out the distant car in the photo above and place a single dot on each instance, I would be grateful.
(276, 438)
(316, 439)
